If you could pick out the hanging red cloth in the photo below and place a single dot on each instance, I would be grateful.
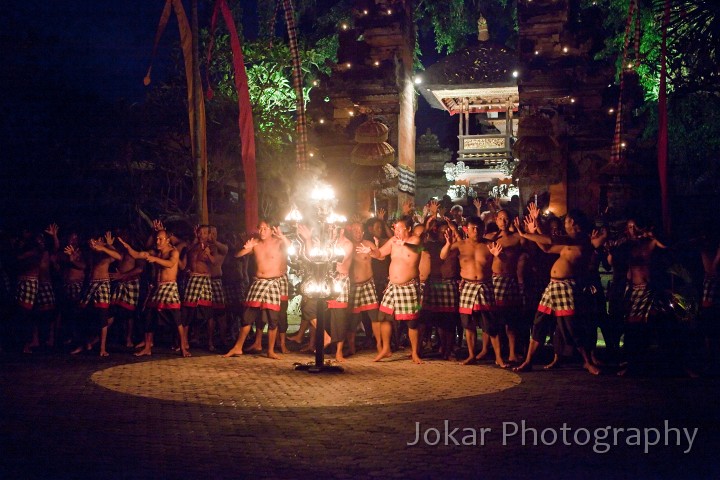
(245, 119)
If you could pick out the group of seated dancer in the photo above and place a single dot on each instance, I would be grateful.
(508, 283)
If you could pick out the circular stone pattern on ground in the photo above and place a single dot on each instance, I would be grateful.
(253, 381)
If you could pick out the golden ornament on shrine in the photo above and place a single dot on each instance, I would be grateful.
(483, 34)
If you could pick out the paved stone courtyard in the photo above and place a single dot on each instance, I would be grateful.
(251, 417)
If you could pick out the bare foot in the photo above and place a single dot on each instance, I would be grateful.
(417, 360)
(295, 338)
(468, 361)
(525, 367)
(144, 352)
(186, 353)
(255, 348)
(499, 362)
(591, 368)
(595, 360)
(103, 353)
(514, 359)
(383, 354)
(273, 355)
(552, 364)
(74, 352)
(481, 355)
(129, 344)
(339, 357)
(284, 349)
(307, 348)
(211, 348)
(234, 352)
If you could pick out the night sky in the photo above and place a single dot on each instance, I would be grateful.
(101, 46)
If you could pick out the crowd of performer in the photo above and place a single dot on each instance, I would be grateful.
(463, 285)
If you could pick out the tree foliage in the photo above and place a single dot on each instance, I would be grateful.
(453, 23)
(694, 43)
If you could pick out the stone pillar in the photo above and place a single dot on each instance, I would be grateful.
(560, 79)
(430, 159)
(373, 79)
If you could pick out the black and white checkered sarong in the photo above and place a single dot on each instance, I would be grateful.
(45, 298)
(218, 293)
(363, 296)
(97, 293)
(402, 301)
(507, 291)
(476, 296)
(126, 294)
(641, 302)
(198, 292)
(164, 296)
(711, 292)
(441, 295)
(26, 292)
(72, 292)
(234, 293)
(559, 298)
(341, 290)
(284, 287)
(264, 293)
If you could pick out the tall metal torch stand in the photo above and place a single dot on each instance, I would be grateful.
(320, 300)
(319, 258)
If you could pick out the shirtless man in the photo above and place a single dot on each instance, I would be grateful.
(27, 294)
(562, 294)
(198, 300)
(72, 269)
(363, 297)
(476, 288)
(47, 305)
(508, 301)
(642, 299)
(97, 292)
(218, 292)
(379, 233)
(401, 301)
(263, 301)
(125, 292)
(441, 278)
(618, 257)
(710, 306)
(163, 298)
(342, 328)
(234, 286)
